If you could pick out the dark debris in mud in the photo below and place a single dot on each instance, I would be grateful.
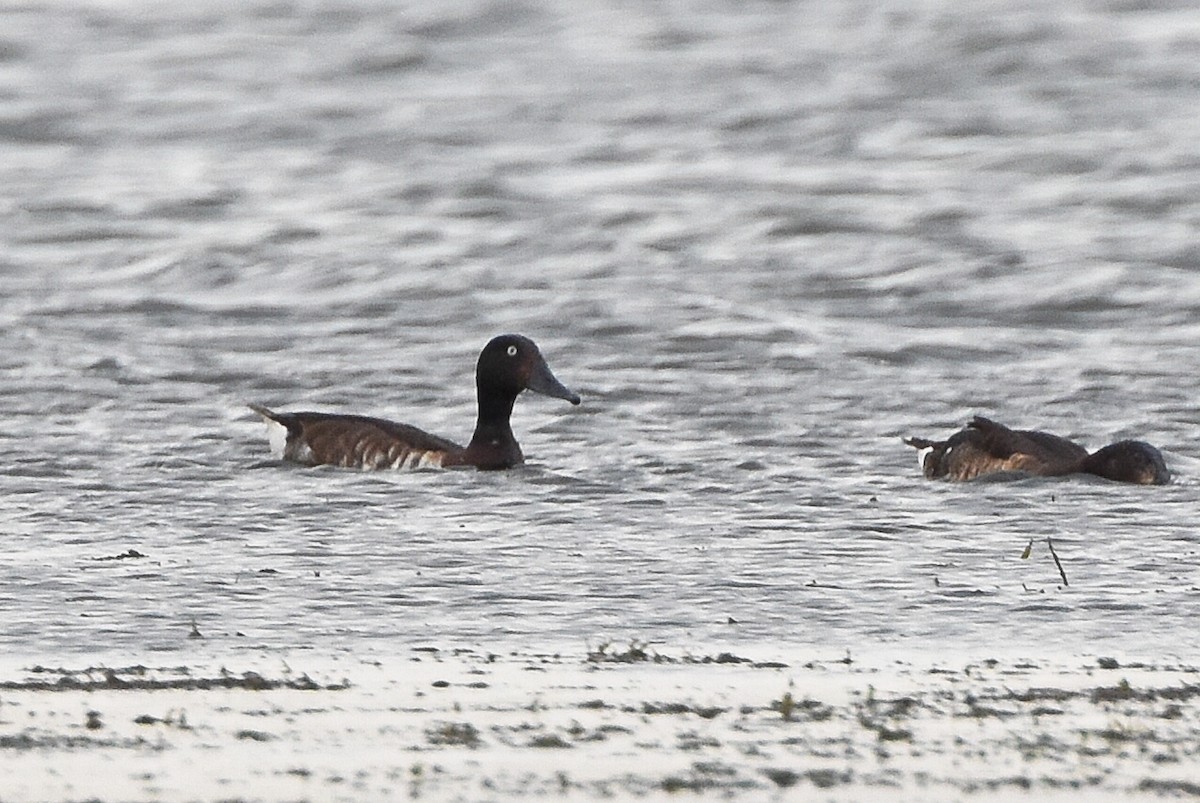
(707, 776)
(37, 740)
(1121, 692)
(453, 733)
(141, 678)
(702, 711)
(1172, 788)
(806, 710)
(639, 652)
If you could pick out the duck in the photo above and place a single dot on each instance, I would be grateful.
(508, 365)
(987, 447)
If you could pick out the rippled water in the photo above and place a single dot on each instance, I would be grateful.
(763, 240)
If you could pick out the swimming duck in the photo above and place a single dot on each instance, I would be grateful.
(987, 447)
(507, 365)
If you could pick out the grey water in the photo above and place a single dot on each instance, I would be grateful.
(764, 241)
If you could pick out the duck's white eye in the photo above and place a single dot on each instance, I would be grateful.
(512, 351)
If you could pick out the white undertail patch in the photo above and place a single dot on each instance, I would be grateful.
(277, 438)
(922, 454)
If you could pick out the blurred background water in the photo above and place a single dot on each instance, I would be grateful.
(764, 240)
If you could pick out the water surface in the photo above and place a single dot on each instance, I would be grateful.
(764, 241)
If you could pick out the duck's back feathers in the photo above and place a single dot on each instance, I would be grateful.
(1028, 450)
(963, 456)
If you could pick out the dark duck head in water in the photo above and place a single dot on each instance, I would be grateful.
(986, 447)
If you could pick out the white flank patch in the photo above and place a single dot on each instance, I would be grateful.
(430, 459)
(411, 461)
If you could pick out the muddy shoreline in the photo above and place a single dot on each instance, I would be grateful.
(612, 721)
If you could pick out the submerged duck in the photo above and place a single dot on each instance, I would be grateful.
(507, 365)
(987, 447)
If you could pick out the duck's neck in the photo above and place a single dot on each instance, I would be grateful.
(493, 444)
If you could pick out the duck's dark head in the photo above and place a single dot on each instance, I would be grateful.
(510, 364)
(1129, 461)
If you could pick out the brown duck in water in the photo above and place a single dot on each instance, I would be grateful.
(987, 447)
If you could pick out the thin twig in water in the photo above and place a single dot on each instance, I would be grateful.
(1057, 562)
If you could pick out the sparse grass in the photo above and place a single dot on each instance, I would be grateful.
(786, 705)
(172, 719)
(1168, 787)
(549, 740)
(674, 783)
(253, 736)
(1122, 691)
(826, 779)
(806, 710)
(141, 678)
(782, 778)
(704, 712)
(453, 733)
(634, 653)
(639, 652)
(977, 711)
(696, 741)
(887, 734)
(1119, 733)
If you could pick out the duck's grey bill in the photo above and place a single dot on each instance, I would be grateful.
(544, 382)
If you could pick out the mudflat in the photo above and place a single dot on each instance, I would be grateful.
(603, 722)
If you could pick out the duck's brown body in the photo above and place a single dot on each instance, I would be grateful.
(356, 441)
(508, 365)
(987, 447)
